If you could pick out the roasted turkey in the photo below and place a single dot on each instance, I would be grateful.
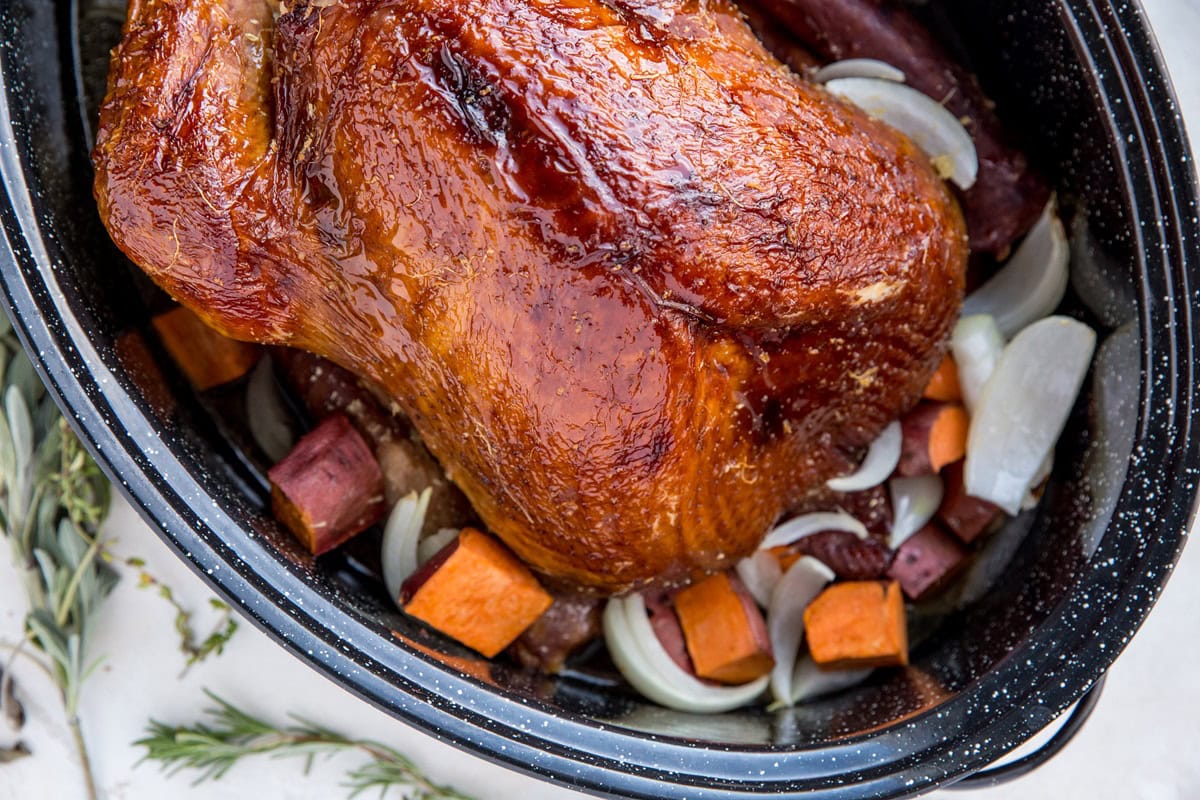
(640, 289)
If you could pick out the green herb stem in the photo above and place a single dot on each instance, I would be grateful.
(53, 499)
(85, 760)
(213, 749)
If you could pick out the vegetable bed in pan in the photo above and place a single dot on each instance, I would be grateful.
(932, 439)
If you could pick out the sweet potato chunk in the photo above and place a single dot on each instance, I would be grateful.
(857, 625)
(944, 386)
(927, 561)
(207, 358)
(329, 486)
(967, 517)
(665, 622)
(934, 435)
(872, 507)
(849, 557)
(324, 388)
(479, 594)
(725, 633)
(568, 625)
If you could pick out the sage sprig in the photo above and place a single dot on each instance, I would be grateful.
(53, 498)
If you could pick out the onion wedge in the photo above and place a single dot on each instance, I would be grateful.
(977, 344)
(808, 524)
(1032, 495)
(880, 462)
(759, 573)
(266, 413)
(428, 547)
(798, 587)
(914, 502)
(810, 682)
(1032, 284)
(398, 555)
(923, 120)
(858, 68)
(648, 667)
(1024, 407)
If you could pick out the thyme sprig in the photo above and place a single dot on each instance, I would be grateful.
(53, 498)
(194, 647)
(213, 749)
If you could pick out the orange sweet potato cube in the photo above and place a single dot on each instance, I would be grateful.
(207, 358)
(478, 593)
(724, 630)
(857, 625)
(944, 385)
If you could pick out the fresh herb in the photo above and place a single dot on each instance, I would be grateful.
(14, 715)
(191, 645)
(213, 749)
(53, 498)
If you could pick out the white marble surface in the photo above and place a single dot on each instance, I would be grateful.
(1142, 744)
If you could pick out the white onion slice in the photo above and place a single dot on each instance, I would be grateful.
(645, 663)
(759, 574)
(429, 547)
(858, 68)
(923, 120)
(1032, 495)
(1032, 283)
(267, 414)
(808, 524)
(1024, 407)
(798, 587)
(810, 681)
(880, 462)
(977, 344)
(398, 554)
(914, 502)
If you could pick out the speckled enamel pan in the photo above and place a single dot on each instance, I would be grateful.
(1080, 79)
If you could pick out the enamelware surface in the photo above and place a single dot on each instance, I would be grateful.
(1095, 557)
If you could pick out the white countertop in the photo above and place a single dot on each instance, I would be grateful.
(1143, 743)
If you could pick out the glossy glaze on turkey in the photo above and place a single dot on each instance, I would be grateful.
(639, 288)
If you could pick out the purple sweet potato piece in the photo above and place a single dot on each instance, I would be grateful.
(927, 562)
(325, 388)
(667, 628)
(872, 507)
(329, 486)
(777, 39)
(850, 557)
(1009, 195)
(967, 517)
(572, 622)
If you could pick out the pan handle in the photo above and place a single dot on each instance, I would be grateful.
(994, 776)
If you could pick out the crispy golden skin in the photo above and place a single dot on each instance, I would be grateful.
(638, 287)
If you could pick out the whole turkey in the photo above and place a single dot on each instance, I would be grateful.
(640, 289)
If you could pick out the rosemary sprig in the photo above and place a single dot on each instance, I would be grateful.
(53, 498)
(213, 749)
